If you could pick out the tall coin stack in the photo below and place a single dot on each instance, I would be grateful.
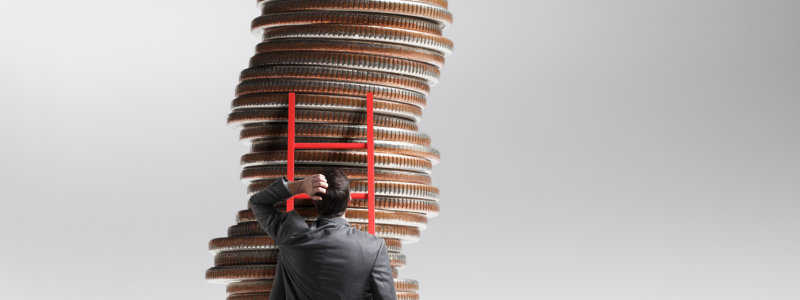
(331, 53)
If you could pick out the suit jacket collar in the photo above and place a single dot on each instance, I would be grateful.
(336, 220)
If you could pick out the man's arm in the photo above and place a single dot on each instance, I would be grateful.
(381, 276)
(275, 223)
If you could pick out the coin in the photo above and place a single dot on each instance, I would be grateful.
(423, 55)
(429, 208)
(354, 215)
(366, 33)
(273, 131)
(400, 148)
(335, 17)
(366, 62)
(442, 3)
(256, 296)
(407, 296)
(228, 274)
(246, 243)
(330, 88)
(338, 158)
(405, 234)
(385, 189)
(246, 258)
(422, 10)
(264, 173)
(242, 118)
(259, 286)
(336, 74)
(326, 102)
(406, 285)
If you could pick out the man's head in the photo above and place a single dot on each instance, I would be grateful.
(337, 195)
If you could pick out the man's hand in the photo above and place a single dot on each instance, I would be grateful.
(310, 186)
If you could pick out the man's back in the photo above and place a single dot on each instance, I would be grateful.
(329, 260)
(333, 260)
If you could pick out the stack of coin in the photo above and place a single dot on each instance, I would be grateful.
(331, 53)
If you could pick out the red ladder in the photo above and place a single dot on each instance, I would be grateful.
(369, 145)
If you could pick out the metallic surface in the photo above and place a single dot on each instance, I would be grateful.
(442, 3)
(423, 55)
(422, 10)
(352, 61)
(385, 189)
(336, 74)
(273, 131)
(368, 33)
(241, 118)
(330, 87)
(399, 148)
(325, 102)
(228, 274)
(339, 158)
(351, 18)
(256, 296)
(253, 174)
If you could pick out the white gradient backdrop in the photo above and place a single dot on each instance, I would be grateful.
(590, 149)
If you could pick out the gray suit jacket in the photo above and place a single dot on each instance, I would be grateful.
(330, 260)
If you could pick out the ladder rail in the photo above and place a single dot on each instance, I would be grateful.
(369, 145)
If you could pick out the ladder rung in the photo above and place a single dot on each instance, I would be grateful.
(358, 196)
(330, 145)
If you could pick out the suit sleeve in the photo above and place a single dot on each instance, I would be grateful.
(381, 279)
(279, 226)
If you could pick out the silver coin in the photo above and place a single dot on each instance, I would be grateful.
(350, 61)
(364, 33)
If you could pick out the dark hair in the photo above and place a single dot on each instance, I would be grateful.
(334, 201)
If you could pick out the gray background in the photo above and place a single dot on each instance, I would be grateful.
(591, 149)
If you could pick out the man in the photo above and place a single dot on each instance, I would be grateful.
(329, 260)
